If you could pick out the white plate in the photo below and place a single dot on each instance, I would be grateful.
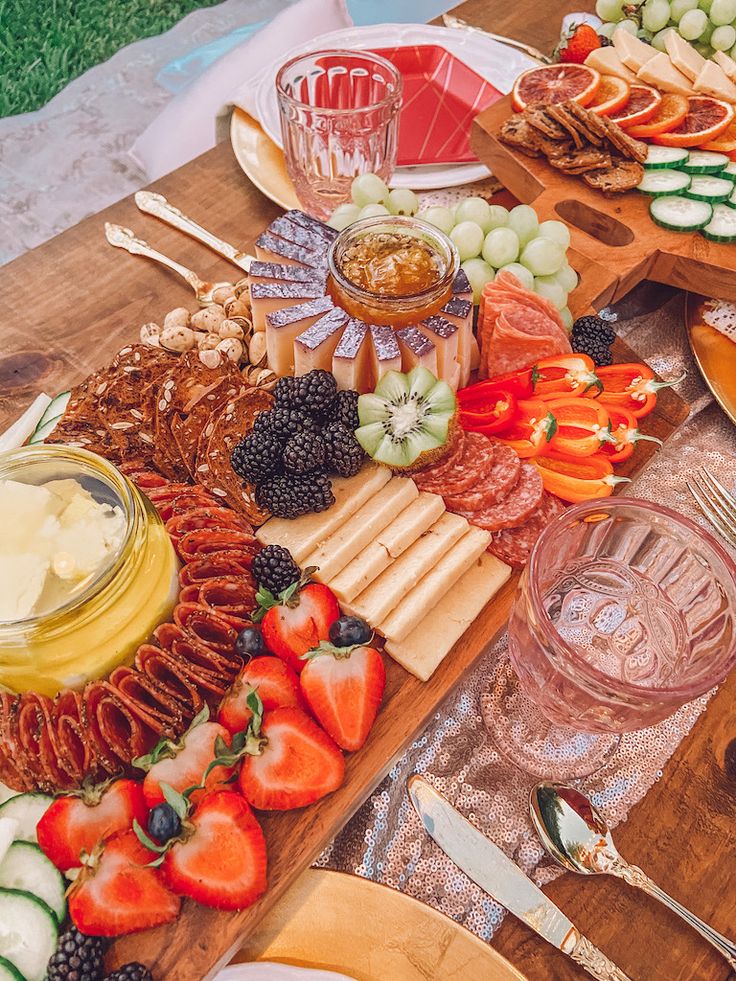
(270, 971)
(494, 61)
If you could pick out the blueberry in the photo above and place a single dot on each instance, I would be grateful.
(249, 642)
(163, 823)
(350, 630)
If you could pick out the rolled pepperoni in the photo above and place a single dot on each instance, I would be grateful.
(150, 702)
(167, 492)
(230, 594)
(513, 510)
(196, 544)
(185, 504)
(228, 562)
(143, 478)
(173, 677)
(12, 769)
(211, 669)
(37, 710)
(220, 519)
(73, 739)
(206, 626)
(117, 733)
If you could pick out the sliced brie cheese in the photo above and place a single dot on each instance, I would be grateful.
(284, 326)
(632, 51)
(727, 63)
(316, 346)
(607, 62)
(662, 74)
(351, 362)
(713, 81)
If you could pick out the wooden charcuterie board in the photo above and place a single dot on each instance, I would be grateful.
(614, 242)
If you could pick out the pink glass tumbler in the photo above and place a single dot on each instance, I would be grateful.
(339, 113)
(625, 612)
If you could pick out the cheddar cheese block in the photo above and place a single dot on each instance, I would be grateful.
(683, 55)
(316, 346)
(285, 325)
(662, 74)
(713, 81)
(421, 651)
(607, 62)
(633, 52)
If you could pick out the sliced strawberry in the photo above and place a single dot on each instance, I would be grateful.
(182, 764)
(276, 683)
(76, 823)
(298, 620)
(294, 764)
(221, 859)
(118, 893)
(343, 688)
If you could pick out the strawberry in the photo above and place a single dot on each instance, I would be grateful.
(343, 687)
(297, 619)
(220, 858)
(276, 684)
(117, 892)
(182, 764)
(577, 43)
(76, 823)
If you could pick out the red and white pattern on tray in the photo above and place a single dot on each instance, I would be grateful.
(54, 744)
(485, 481)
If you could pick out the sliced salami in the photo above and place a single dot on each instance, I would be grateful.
(497, 484)
(196, 544)
(436, 472)
(476, 460)
(228, 562)
(514, 545)
(514, 509)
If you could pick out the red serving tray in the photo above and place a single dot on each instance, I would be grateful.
(442, 96)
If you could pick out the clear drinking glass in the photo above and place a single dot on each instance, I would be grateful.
(625, 611)
(339, 113)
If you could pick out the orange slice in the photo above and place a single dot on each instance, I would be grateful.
(555, 83)
(705, 121)
(725, 143)
(671, 112)
(612, 94)
(643, 103)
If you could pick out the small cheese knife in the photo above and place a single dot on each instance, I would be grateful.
(501, 878)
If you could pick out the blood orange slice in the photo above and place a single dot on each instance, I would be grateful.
(612, 94)
(671, 112)
(642, 105)
(705, 121)
(725, 143)
(555, 83)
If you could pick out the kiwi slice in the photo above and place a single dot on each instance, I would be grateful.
(405, 422)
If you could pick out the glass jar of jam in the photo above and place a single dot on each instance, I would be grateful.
(87, 569)
(392, 270)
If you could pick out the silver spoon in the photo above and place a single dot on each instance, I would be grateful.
(576, 835)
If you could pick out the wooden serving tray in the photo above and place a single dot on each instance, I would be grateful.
(203, 940)
(615, 244)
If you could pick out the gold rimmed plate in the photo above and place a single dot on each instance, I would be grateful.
(261, 160)
(343, 923)
(714, 353)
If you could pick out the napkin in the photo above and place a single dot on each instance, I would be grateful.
(189, 124)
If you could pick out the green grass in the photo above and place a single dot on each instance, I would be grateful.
(44, 44)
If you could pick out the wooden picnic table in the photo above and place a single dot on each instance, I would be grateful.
(69, 304)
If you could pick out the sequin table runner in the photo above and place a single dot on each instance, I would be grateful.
(385, 841)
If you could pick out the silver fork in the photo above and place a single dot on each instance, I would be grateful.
(716, 503)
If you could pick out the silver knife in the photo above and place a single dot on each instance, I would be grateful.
(501, 878)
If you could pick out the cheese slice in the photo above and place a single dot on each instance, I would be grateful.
(662, 74)
(268, 272)
(325, 232)
(302, 535)
(271, 248)
(445, 335)
(334, 553)
(266, 298)
(316, 346)
(388, 545)
(683, 55)
(309, 237)
(632, 51)
(351, 360)
(417, 350)
(607, 62)
(459, 311)
(385, 354)
(420, 601)
(727, 63)
(376, 602)
(461, 287)
(285, 325)
(421, 651)
(713, 81)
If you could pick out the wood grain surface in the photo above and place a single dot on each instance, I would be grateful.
(69, 304)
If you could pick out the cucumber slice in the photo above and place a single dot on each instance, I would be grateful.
(54, 411)
(704, 162)
(680, 214)
(729, 171)
(714, 190)
(722, 226)
(42, 431)
(25, 867)
(28, 933)
(657, 182)
(8, 972)
(27, 809)
(6, 793)
(665, 156)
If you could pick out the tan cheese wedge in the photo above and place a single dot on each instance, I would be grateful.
(285, 325)
(607, 62)
(351, 362)
(727, 64)
(683, 55)
(385, 354)
(631, 50)
(461, 287)
(266, 298)
(312, 236)
(713, 81)
(662, 74)
(271, 248)
(268, 272)
(445, 335)
(432, 640)
(302, 535)
(429, 591)
(334, 553)
(376, 602)
(417, 350)
(315, 347)
(459, 311)
(388, 545)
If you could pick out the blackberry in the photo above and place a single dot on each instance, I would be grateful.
(289, 497)
(594, 327)
(257, 456)
(285, 392)
(134, 971)
(593, 336)
(77, 958)
(303, 453)
(285, 422)
(163, 822)
(316, 391)
(275, 569)
(344, 454)
(606, 42)
(345, 409)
